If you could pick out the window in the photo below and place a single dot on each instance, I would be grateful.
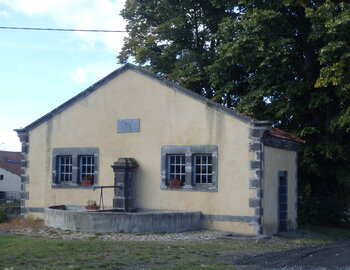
(203, 169)
(194, 167)
(86, 167)
(282, 201)
(64, 167)
(1, 177)
(176, 168)
(71, 165)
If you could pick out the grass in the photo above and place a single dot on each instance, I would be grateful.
(5, 204)
(13, 212)
(329, 233)
(22, 252)
(29, 253)
(29, 221)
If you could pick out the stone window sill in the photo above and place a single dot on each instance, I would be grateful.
(58, 186)
(202, 188)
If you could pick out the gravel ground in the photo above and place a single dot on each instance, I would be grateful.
(47, 232)
(330, 256)
(3, 232)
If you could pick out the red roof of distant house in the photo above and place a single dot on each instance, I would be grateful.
(280, 134)
(11, 161)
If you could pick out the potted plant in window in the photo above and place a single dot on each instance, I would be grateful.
(175, 183)
(87, 181)
(91, 205)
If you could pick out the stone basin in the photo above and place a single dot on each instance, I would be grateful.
(77, 218)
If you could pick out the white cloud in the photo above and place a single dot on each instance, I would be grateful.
(9, 140)
(92, 73)
(4, 13)
(79, 75)
(78, 14)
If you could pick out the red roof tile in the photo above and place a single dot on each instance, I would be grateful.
(280, 134)
(11, 161)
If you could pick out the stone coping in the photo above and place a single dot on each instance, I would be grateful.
(108, 210)
(76, 218)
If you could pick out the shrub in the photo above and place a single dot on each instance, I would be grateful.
(2, 215)
(326, 210)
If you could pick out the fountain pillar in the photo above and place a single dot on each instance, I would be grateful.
(125, 181)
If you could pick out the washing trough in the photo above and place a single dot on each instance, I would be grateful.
(77, 218)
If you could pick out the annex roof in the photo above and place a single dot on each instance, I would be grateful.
(280, 134)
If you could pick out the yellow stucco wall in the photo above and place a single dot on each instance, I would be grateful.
(168, 117)
(278, 160)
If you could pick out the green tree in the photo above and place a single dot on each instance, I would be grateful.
(293, 57)
(173, 38)
(285, 61)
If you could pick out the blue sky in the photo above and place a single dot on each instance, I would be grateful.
(39, 70)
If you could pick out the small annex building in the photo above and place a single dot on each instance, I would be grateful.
(240, 173)
(10, 175)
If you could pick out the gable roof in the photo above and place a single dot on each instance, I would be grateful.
(244, 118)
(11, 161)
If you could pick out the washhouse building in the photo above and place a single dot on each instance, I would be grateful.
(192, 154)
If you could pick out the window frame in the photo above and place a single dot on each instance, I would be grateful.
(182, 168)
(63, 163)
(75, 153)
(84, 167)
(189, 151)
(206, 166)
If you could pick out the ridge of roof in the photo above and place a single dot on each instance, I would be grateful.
(241, 116)
(73, 100)
(140, 70)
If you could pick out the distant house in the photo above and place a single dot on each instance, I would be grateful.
(240, 173)
(10, 175)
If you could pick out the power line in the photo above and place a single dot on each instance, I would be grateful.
(63, 29)
(170, 31)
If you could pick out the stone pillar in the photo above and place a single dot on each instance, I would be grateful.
(24, 139)
(256, 183)
(125, 182)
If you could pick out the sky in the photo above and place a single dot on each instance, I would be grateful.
(40, 70)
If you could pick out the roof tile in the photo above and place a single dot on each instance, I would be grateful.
(11, 161)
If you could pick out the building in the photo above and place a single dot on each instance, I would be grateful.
(10, 175)
(240, 173)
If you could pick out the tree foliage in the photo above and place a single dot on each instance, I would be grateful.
(174, 38)
(285, 61)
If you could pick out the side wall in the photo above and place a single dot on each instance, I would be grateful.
(11, 184)
(276, 160)
(167, 117)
